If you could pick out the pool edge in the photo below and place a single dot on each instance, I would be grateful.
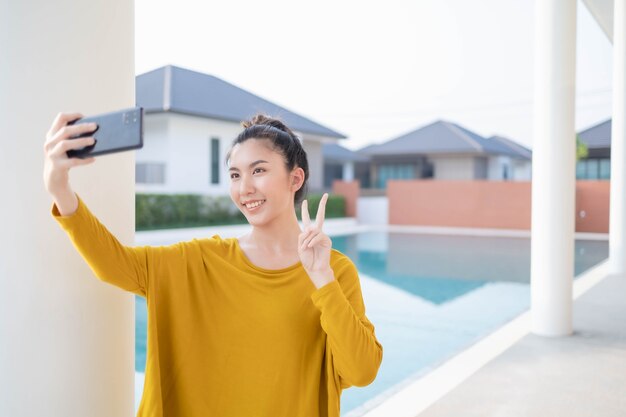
(425, 391)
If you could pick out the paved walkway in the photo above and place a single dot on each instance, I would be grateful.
(332, 227)
(580, 375)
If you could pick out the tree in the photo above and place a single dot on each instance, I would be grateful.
(581, 148)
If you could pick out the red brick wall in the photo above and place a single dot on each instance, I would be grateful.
(487, 204)
(592, 197)
(350, 191)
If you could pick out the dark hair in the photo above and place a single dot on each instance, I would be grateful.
(283, 141)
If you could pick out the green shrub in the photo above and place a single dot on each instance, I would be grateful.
(165, 211)
(172, 211)
(335, 206)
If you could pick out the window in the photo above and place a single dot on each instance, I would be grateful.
(395, 171)
(150, 173)
(428, 171)
(332, 172)
(593, 169)
(214, 161)
(581, 170)
(605, 169)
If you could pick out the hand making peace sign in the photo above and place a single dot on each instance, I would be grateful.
(314, 245)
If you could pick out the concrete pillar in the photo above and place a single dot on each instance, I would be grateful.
(617, 223)
(348, 171)
(553, 165)
(66, 338)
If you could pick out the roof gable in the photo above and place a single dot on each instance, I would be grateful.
(597, 136)
(180, 90)
(338, 153)
(512, 148)
(445, 137)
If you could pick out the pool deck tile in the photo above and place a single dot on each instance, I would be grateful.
(579, 375)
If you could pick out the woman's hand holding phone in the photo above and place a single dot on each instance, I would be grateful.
(57, 164)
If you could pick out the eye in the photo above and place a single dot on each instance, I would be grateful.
(255, 169)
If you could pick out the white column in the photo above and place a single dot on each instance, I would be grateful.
(66, 338)
(617, 223)
(348, 171)
(553, 165)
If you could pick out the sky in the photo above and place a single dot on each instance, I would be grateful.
(376, 70)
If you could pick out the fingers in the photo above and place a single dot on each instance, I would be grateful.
(321, 211)
(306, 220)
(317, 239)
(306, 240)
(301, 238)
(310, 237)
(66, 132)
(304, 236)
(57, 163)
(63, 146)
(61, 120)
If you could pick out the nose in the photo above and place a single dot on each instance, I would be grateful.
(245, 185)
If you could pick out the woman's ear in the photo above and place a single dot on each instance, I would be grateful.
(297, 178)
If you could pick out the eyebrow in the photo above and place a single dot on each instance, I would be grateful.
(251, 165)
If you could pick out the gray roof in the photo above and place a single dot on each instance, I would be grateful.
(513, 148)
(446, 137)
(337, 153)
(180, 90)
(597, 136)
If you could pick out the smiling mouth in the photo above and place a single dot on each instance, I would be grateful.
(255, 205)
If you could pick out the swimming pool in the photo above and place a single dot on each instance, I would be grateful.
(429, 296)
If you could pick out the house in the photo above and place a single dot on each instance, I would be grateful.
(597, 164)
(441, 150)
(190, 120)
(344, 164)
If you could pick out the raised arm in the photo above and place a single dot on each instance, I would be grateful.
(124, 266)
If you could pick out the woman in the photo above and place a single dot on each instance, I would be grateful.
(268, 324)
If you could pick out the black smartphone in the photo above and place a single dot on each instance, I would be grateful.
(116, 131)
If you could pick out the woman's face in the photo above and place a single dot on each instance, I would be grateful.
(259, 182)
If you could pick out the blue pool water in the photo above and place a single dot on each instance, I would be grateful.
(429, 297)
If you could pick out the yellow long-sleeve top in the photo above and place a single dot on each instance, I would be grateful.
(227, 338)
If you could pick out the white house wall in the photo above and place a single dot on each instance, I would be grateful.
(467, 167)
(372, 210)
(155, 146)
(522, 170)
(453, 167)
(496, 167)
(316, 164)
(182, 142)
(190, 170)
(481, 167)
(156, 129)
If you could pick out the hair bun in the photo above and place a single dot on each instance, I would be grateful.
(265, 120)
